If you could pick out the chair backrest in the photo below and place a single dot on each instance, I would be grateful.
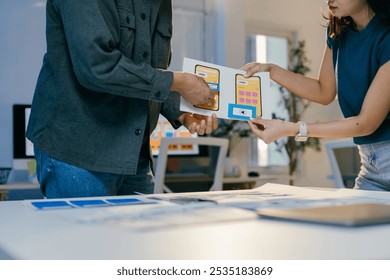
(160, 170)
(337, 162)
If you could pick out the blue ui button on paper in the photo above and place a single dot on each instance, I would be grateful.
(241, 112)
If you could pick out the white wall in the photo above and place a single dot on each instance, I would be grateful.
(22, 45)
(232, 21)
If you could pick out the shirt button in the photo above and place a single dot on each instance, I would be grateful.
(145, 54)
(143, 16)
(138, 131)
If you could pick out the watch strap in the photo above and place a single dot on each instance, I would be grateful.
(302, 128)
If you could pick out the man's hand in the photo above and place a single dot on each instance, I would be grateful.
(192, 88)
(198, 123)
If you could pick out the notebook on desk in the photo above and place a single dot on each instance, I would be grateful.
(352, 215)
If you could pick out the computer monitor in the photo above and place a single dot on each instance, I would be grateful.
(165, 129)
(344, 159)
(23, 148)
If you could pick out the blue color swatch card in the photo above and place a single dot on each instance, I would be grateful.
(87, 203)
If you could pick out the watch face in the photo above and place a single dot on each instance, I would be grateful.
(301, 137)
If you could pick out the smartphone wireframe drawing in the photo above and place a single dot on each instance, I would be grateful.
(211, 76)
(248, 92)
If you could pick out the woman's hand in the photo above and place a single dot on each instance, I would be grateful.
(255, 67)
(271, 130)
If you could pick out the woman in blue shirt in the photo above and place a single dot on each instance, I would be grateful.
(356, 66)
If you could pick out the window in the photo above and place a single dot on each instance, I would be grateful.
(262, 48)
(196, 16)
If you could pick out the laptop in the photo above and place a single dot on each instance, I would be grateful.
(351, 215)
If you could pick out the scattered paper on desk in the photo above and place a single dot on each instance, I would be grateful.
(274, 196)
(166, 211)
(236, 97)
(162, 216)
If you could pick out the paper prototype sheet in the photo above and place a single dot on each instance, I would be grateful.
(236, 97)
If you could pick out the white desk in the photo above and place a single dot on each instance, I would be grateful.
(27, 233)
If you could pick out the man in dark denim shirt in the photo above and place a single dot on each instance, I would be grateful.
(101, 88)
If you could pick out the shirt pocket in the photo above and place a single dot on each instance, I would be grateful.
(127, 24)
(164, 38)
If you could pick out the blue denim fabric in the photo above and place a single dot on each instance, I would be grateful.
(375, 170)
(62, 180)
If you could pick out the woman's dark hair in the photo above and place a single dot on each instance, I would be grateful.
(381, 8)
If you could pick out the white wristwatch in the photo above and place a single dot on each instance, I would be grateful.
(302, 135)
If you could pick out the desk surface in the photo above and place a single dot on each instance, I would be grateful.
(225, 231)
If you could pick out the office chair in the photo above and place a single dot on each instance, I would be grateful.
(344, 161)
(160, 170)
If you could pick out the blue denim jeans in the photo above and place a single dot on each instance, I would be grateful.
(62, 180)
(375, 170)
